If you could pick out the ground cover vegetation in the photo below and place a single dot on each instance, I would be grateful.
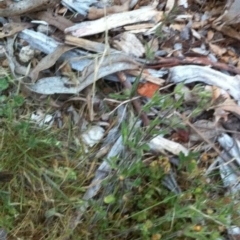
(45, 174)
(53, 185)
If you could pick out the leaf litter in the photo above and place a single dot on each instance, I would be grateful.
(83, 64)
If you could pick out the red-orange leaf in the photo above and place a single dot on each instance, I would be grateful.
(147, 89)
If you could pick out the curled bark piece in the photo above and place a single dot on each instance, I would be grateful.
(192, 73)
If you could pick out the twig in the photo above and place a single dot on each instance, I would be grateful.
(175, 61)
(136, 103)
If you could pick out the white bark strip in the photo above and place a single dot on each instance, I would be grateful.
(193, 73)
(115, 20)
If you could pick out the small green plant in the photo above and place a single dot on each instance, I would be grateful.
(9, 103)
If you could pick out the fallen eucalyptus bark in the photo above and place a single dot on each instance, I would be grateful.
(193, 73)
(62, 85)
(80, 6)
(76, 58)
(26, 6)
(161, 144)
(113, 21)
(96, 67)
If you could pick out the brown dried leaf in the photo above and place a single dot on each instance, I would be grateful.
(216, 92)
(206, 128)
(48, 61)
(210, 35)
(10, 29)
(219, 51)
(228, 31)
(230, 105)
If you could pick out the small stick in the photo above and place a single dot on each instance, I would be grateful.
(136, 103)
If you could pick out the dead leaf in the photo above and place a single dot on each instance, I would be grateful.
(210, 35)
(219, 51)
(216, 92)
(147, 89)
(227, 31)
(48, 61)
(207, 129)
(10, 29)
(220, 113)
(229, 105)
(180, 135)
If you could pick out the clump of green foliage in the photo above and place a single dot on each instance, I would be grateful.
(49, 180)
